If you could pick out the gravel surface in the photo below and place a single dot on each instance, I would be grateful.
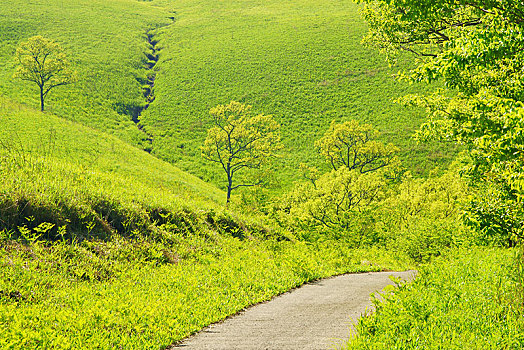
(316, 316)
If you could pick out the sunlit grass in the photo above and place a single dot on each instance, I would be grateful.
(301, 61)
(470, 299)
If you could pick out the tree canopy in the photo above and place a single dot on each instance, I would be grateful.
(43, 62)
(476, 48)
(240, 140)
(362, 169)
(352, 145)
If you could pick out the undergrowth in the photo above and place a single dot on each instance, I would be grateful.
(467, 299)
(137, 294)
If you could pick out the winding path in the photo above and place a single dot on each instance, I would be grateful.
(317, 316)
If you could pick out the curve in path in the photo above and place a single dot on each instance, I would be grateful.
(316, 316)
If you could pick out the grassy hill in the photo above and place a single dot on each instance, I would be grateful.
(104, 246)
(301, 61)
(106, 42)
(57, 170)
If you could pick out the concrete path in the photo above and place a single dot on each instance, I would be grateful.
(316, 316)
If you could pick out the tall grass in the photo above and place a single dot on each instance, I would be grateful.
(470, 299)
(106, 295)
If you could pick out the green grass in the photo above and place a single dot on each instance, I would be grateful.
(104, 246)
(470, 299)
(301, 61)
(30, 135)
(106, 42)
(47, 299)
(93, 184)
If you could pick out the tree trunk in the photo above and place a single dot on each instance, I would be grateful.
(229, 186)
(41, 98)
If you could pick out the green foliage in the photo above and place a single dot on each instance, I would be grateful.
(419, 218)
(372, 203)
(140, 294)
(422, 217)
(340, 200)
(240, 141)
(43, 62)
(495, 216)
(337, 200)
(353, 145)
(476, 49)
(470, 299)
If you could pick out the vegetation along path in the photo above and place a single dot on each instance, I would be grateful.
(319, 315)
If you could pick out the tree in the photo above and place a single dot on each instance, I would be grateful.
(352, 145)
(476, 48)
(43, 62)
(337, 198)
(240, 140)
(362, 170)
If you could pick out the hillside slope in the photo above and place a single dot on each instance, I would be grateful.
(62, 172)
(301, 61)
(106, 42)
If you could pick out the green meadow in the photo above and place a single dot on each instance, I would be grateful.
(105, 40)
(114, 231)
(300, 61)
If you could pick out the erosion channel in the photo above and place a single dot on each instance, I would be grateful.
(148, 86)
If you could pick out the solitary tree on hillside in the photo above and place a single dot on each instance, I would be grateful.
(240, 140)
(43, 62)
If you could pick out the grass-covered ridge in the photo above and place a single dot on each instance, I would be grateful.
(300, 61)
(59, 171)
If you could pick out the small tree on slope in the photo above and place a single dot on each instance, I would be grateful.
(43, 62)
(240, 141)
